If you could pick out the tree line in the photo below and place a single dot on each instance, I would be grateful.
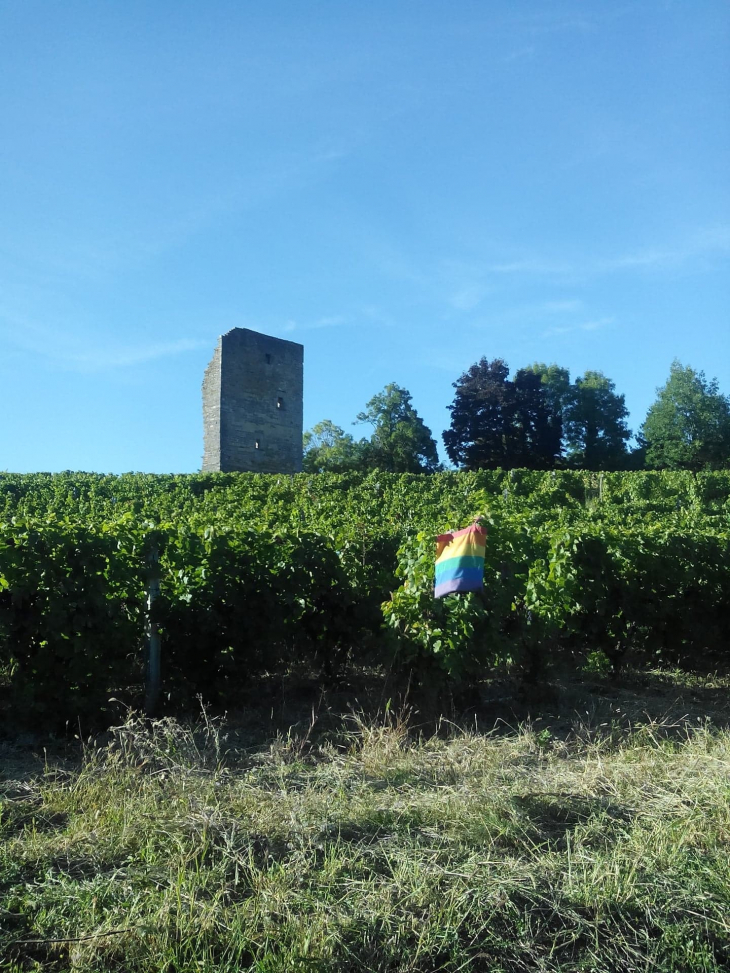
(536, 419)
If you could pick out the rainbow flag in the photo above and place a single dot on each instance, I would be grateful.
(460, 561)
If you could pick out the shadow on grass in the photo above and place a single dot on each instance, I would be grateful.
(556, 816)
(569, 706)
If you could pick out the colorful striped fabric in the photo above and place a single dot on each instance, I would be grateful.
(460, 561)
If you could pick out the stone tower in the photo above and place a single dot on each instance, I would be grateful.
(252, 404)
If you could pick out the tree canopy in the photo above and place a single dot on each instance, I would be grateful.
(536, 419)
(595, 427)
(688, 427)
(536, 423)
(496, 422)
(400, 442)
(329, 449)
(557, 394)
(476, 438)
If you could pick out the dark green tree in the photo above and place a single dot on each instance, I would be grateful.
(329, 449)
(479, 425)
(496, 422)
(536, 434)
(401, 442)
(594, 425)
(688, 427)
(558, 394)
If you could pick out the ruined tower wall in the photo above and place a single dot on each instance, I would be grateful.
(212, 413)
(253, 404)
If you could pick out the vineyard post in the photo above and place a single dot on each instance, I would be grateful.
(152, 687)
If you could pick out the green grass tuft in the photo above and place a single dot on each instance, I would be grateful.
(168, 848)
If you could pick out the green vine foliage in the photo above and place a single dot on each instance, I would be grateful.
(467, 634)
(237, 602)
(451, 632)
(71, 620)
(259, 573)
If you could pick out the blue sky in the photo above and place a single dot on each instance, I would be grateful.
(403, 187)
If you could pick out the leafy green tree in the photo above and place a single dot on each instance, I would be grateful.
(688, 427)
(557, 393)
(401, 442)
(536, 433)
(479, 425)
(496, 422)
(329, 449)
(595, 424)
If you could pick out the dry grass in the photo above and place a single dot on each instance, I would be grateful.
(170, 848)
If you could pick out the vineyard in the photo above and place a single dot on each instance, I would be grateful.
(259, 572)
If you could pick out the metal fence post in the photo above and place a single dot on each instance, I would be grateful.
(152, 680)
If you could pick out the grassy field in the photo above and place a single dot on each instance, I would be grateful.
(595, 837)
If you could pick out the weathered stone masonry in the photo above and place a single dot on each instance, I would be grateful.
(252, 404)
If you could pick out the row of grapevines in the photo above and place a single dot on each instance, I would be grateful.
(566, 591)
(235, 602)
(393, 498)
(258, 571)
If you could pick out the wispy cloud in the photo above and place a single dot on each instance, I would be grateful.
(331, 321)
(132, 240)
(557, 25)
(561, 307)
(71, 352)
(593, 325)
(101, 359)
(468, 297)
(443, 359)
(553, 20)
(711, 240)
(50, 256)
(378, 316)
(704, 243)
(528, 314)
(327, 321)
(533, 266)
(521, 54)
